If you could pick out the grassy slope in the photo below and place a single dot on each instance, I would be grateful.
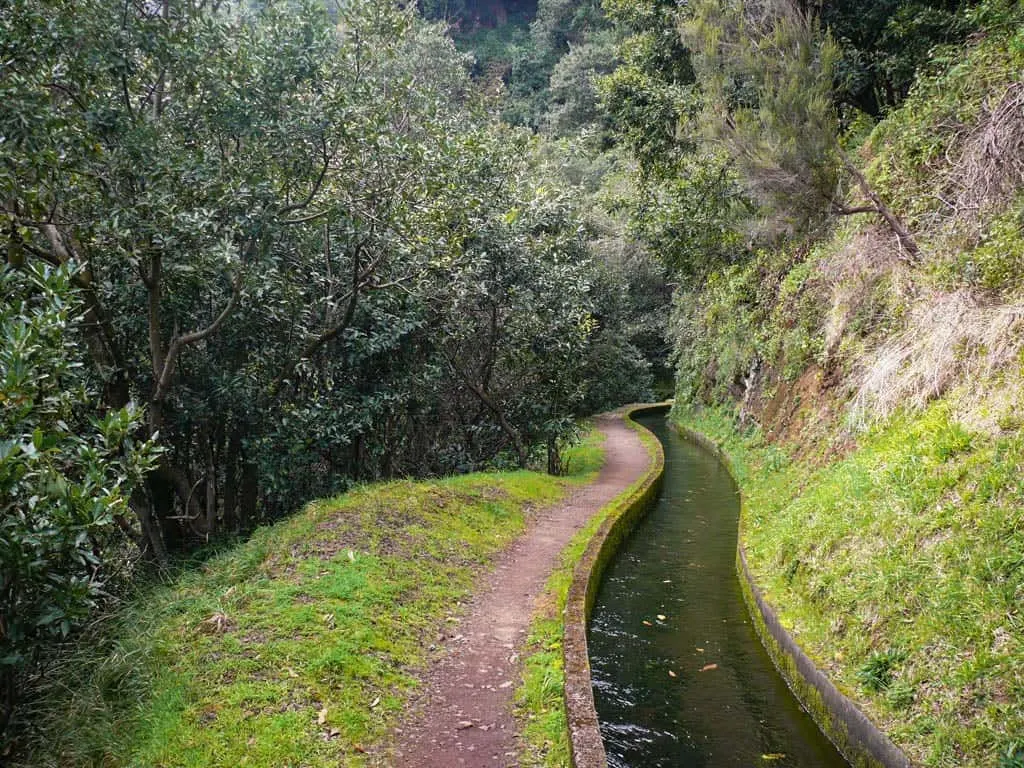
(299, 646)
(899, 569)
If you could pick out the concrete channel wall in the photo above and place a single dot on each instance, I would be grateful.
(857, 738)
(587, 748)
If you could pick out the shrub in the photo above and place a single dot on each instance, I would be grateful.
(65, 476)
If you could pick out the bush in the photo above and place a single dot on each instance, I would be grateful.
(65, 476)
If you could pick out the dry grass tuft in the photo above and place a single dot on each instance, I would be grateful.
(853, 272)
(949, 339)
(991, 165)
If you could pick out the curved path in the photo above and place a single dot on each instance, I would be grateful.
(463, 716)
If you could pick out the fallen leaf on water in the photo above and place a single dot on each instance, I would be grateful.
(321, 716)
(671, 673)
(661, 617)
(708, 667)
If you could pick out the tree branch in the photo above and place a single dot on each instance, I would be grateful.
(903, 235)
(180, 342)
(487, 400)
(316, 185)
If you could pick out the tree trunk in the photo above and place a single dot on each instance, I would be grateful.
(211, 491)
(555, 466)
(248, 497)
(7, 697)
(152, 542)
(234, 450)
(906, 239)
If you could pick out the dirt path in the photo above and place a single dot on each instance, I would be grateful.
(464, 715)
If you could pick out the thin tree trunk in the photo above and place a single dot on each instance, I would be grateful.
(211, 490)
(234, 450)
(555, 466)
(152, 545)
(906, 239)
(249, 495)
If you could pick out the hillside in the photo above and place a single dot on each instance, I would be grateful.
(303, 645)
(872, 402)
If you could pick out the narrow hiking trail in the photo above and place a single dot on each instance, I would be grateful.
(463, 716)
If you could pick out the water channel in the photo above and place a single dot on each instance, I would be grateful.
(680, 677)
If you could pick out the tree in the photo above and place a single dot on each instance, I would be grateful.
(264, 209)
(766, 70)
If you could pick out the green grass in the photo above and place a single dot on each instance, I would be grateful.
(540, 698)
(900, 570)
(298, 647)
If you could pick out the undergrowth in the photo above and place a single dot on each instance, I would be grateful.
(296, 648)
(900, 569)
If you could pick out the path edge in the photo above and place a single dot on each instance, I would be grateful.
(859, 740)
(586, 747)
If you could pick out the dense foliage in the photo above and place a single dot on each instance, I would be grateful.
(261, 252)
(305, 257)
(66, 472)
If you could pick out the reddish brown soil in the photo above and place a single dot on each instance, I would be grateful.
(464, 715)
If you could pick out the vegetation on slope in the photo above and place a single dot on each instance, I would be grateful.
(898, 568)
(870, 397)
(300, 646)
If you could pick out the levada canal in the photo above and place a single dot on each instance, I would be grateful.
(680, 677)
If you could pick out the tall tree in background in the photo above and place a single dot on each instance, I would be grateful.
(264, 209)
(767, 70)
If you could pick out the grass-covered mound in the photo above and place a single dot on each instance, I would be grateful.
(298, 647)
(900, 569)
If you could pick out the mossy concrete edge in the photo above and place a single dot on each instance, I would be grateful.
(621, 515)
(860, 741)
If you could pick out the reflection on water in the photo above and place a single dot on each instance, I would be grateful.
(680, 677)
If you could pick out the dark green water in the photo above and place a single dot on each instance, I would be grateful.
(680, 563)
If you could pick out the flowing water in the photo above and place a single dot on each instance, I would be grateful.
(680, 677)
